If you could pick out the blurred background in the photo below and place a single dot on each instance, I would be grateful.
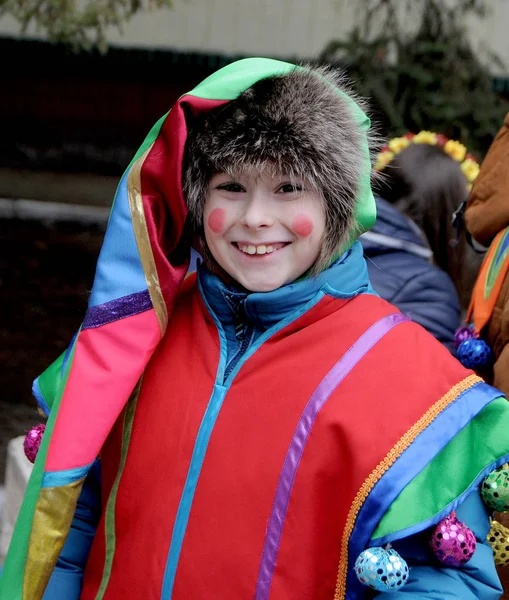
(83, 82)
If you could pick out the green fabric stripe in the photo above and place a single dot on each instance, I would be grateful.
(11, 581)
(452, 471)
(149, 140)
(110, 507)
(51, 379)
(230, 81)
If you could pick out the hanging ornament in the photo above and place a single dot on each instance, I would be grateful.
(474, 353)
(382, 569)
(498, 539)
(32, 441)
(463, 333)
(452, 542)
(495, 489)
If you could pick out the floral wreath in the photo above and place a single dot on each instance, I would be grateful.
(468, 163)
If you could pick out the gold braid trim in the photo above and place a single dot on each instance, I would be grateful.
(143, 240)
(386, 463)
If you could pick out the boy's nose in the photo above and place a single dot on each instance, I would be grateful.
(257, 213)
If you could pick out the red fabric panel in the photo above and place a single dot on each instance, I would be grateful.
(163, 199)
(110, 462)
(102, 351)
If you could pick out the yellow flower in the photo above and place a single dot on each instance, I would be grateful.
(455, 150)
(383, 159)
(425, 137)
(398, 144)
(470, 169)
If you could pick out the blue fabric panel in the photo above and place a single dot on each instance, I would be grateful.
(36, 391)
(119, 271)
(59, 478)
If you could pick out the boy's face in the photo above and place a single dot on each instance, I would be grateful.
(265, 231)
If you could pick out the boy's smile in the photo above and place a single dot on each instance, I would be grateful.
(259, 250)
(264, 231)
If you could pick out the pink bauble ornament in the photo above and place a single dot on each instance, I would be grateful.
(33, 440)
(452, 542)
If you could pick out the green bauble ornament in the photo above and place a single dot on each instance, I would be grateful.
(495, 489)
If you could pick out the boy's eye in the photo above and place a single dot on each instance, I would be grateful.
(231, 187)
(290, 188)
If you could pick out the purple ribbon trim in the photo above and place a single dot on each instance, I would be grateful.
(296, 449)
(115, 310)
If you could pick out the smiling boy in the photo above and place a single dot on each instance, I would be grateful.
(286, 418)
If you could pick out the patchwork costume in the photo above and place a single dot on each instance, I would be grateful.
(251, 445)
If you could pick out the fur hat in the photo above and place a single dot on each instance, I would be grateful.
(300, 124)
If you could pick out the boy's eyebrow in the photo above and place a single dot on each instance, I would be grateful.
(252, 175)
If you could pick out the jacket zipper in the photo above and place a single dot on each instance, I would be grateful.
(243, 334)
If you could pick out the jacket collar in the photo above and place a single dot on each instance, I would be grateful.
(345, 278)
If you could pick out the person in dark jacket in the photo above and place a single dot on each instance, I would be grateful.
(401, 270)
(416, 260)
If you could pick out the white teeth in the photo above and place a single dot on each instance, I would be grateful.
(262, 249)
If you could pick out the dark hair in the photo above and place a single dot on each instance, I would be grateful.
(427, 185)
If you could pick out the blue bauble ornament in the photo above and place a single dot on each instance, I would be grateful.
(381, 569)
(474, 353)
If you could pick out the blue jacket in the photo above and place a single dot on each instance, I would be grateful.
(401, 272)
(428, 580)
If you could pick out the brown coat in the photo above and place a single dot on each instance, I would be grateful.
(486, 214)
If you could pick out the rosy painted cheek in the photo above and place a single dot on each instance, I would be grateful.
(302, 225)
(216, 220)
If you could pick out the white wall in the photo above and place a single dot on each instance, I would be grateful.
(492, 35)
(278, 28)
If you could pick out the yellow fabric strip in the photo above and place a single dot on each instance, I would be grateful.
(52, 520)
(143, 240)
